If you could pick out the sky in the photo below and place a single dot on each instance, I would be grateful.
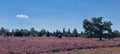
(56, 14)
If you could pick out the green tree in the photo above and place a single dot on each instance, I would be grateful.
(8, 33)
(48, 34)
(39, 34)
(56, 33)
(69, 34)
(33, 32)
(87, 25)
(59, 34)
(3, 31)
(96, 27)
(17, 32)
(13, 32)
(75, 32)
(24, 32)
(43, 32)
(116, 33)
(64, 32)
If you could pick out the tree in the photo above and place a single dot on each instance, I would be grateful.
(17, 32)
(43, 32)
(33, 32)
(64, 32)
(59, 34)
(96, 27)
(13, 32)
(8, 33)
(56, 33)
(3, 31)
(82, 34)
(68, 33)
(87, 25)
(48, 34)
(107, 28)
(39, 34)
(24, 32)
(75, 32)
(116, 33)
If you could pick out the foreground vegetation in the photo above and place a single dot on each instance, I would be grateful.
(109, 50)
(50, 45)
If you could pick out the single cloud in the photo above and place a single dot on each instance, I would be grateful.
(22, 16)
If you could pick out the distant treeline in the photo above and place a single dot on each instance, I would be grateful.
(43, 32)
(95, 28)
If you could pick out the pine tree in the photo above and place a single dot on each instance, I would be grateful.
(69, 33)
(64, 32)
(48, 34)
(75, 32)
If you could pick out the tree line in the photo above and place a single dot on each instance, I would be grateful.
(95, 28)
(43, 32)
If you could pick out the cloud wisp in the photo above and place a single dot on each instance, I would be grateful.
(22, 16)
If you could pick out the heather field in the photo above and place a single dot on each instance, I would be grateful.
(53, 45)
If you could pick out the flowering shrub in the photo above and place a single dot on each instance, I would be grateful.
(47, 45)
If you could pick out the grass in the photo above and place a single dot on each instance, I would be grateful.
(110, 50)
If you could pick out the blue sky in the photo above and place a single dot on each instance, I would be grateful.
(56, 14)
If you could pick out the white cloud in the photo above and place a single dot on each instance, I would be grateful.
(22, 16)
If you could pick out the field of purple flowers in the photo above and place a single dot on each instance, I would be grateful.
(50, 45)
